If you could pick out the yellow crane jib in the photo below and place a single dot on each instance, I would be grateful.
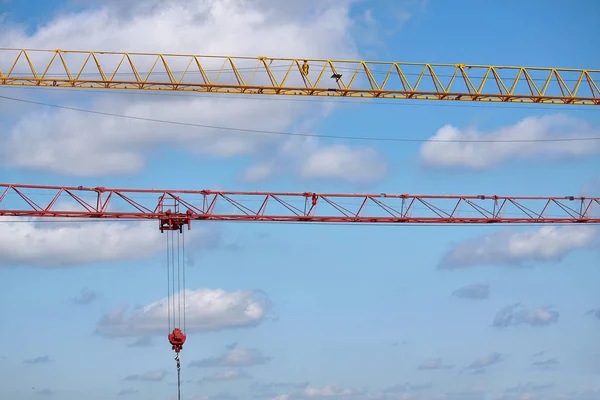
(298, 76)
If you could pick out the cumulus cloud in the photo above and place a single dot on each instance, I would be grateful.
(529, 387)
(125, 392)
(474, 292)
(433, 364)
(75, 244)
(206, 310)
(593, 394)
(271, 389)
(85, 297)
(149, 376)
(38, 360)
(144, 341)
(332, 391)
(236, 357)
(516, 314)
(343, 162)
(549, 243)
(309, 160)
(82, 144)
(405, 391)
(594, 313)
(46, 392)
(550, 363)
(477, 371)
(485, 155)
(329, 390)
(485, 361)
(227, 375)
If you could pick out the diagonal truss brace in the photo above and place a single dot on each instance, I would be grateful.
(297, 76)
(176, 208)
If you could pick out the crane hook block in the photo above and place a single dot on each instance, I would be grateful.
(177, 339)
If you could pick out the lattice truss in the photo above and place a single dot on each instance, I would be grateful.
(174, 208)
(290, 76)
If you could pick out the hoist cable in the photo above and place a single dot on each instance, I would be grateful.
(173, 277)
(178, 283)
(184, 286)
(175, 337)
(168, 286)
(178, 377)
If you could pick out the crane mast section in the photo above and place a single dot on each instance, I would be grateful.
(175, 209)
(298, 76)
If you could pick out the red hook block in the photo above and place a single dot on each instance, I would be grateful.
(177, 339)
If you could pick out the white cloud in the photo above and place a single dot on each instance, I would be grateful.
(343, 162)
(73, 244)
(79, 144)
(433, 364)
(235, 357)
(404, 391)
(332, 391)
(144, 341)
(486, 361)
(309, 160)
(474, 292)
(485, 155)
(526, 389)
(227, 375)
(206, 310)
(328, 391)
(259, 172)
(125, 392)
(149, 376)
(548, 243)
(85, 297)
(516, 314)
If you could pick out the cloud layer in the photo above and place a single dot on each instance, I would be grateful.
(226, 375)
(79, 144)
(473, 292)
(206, 310)
(149, 376)
(486, 155)
(310, 161)
(549, 243)
(235, 357)
(72, 244)
(85, 297)
(516, 314)
(433, 364)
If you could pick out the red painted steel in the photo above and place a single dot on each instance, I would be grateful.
(175, 209)
(177, 339)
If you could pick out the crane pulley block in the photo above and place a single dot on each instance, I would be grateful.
(177, 339)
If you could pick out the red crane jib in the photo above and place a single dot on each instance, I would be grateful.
(177, 339)
(176, 208)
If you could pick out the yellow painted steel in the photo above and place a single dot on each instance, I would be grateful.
(298, 76)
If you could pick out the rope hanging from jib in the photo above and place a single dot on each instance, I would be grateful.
(176, 295)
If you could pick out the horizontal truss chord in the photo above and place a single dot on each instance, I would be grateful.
(298, 76)
(175, 209)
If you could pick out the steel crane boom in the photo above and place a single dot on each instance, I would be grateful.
(298, 76)
(175, 209)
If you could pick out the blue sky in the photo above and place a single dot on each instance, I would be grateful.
(351, 312)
